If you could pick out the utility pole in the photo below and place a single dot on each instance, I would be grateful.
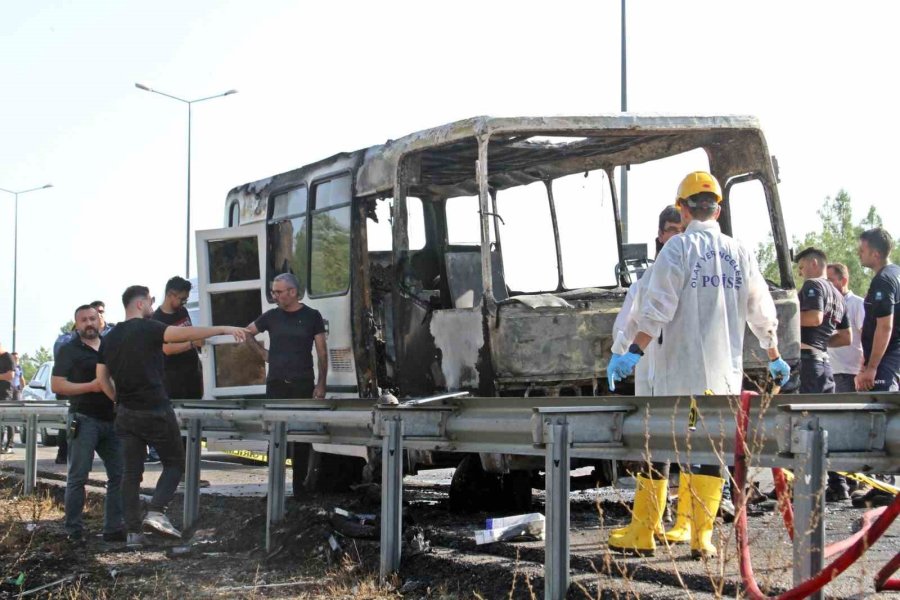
(623, 195)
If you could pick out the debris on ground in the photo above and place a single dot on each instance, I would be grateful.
(519, 527)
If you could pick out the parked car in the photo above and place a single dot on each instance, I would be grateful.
(38, 390)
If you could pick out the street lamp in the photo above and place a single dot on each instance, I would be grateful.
(16, 250)
(187, 243)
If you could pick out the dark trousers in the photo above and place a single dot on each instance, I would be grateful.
(137, 429)
(887, 373)
(844, 383)
(280, 389)
(816, 376)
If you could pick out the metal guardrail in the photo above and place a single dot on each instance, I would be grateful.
(863, 435)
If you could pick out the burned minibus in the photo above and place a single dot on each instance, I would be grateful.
(485, 255)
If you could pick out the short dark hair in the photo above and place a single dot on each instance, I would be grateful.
(134, 291)
(84, 307)
(879, 240)
(812, 252)
(97, 304)
(669, 214)
(841, 269)
(178, 284)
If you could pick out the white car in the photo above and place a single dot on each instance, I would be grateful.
(38, 390)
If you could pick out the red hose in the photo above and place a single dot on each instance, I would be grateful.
(787, 514)
(862, 543)
(882, 582)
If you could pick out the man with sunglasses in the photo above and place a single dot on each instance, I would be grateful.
(131, 371)
(293, 330)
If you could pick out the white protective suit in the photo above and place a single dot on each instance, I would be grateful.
(624, 330)
(702, 289)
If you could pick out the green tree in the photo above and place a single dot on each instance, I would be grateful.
(838, 238)
(31, 363)
(69, 326)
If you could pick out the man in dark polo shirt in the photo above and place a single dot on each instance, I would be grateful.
(131, 370)
(293, 329)
(823, 323)
(91, 416)
(881, 326)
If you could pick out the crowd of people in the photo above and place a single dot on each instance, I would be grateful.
(680, 331)
(119, 380)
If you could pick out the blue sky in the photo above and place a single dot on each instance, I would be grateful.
(320, 78)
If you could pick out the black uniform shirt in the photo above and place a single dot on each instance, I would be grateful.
(882, 299)
(77, 362)
(820, 295)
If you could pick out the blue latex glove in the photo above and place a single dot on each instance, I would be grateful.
(779, 370)
(620, 366)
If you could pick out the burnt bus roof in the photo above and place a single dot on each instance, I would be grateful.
(442, 159)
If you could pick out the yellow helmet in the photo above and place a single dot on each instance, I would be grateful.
(696, 183)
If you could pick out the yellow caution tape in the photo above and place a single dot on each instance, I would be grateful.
(878, 485)
(251, 455)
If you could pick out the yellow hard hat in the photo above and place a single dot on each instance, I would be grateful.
(696, 183)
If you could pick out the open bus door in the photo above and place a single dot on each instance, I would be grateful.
(232, 288)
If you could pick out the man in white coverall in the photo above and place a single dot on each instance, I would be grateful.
(625, 328)
(702, 289)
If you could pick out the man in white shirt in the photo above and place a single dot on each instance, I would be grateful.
(847, 360)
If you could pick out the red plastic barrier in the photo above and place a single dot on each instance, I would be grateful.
(856, 547)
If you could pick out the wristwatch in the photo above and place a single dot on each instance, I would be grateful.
(635, 349)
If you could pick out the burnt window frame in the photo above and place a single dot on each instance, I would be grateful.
(232, 221)
(312, 211)
(270, 211)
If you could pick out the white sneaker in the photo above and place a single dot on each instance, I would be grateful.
(134, 541)
(157, 522)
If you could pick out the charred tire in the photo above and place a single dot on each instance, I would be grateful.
(472, 489)
(327, 473)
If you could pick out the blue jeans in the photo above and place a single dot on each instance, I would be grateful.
(100, 436)
(844, 383)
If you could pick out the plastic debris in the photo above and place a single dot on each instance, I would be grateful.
(525, 527)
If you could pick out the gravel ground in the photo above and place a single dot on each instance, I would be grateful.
(225, 556)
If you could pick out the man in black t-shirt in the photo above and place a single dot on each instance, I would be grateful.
(823, 323)
(131, 370)
(293, 330)
(183, 378)
(91, 416)
(881, 332)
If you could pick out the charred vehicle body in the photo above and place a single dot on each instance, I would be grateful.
(485, 255)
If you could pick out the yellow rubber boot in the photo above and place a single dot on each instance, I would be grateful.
(681, 530)
(649, 504)
(707, 494)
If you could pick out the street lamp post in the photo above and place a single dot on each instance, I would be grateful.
(187, 241)
(16, 250)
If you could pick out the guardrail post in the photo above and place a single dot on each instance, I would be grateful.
(275, 500)
(391, 495)
(192, 474)
(556, 546)
(31, 432)
(809, 501)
